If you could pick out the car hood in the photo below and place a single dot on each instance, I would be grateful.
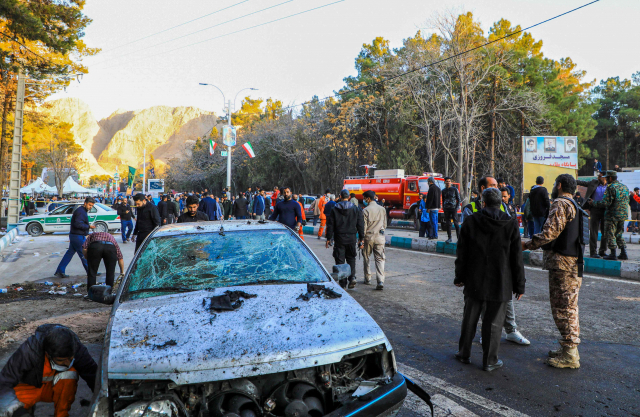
(177, 337)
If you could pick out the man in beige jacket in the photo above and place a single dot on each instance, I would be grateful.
(375, 221)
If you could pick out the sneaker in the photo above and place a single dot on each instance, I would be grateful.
(60, 275)
(493, 367)
(352, 284)
(517, 337)
(379, 287)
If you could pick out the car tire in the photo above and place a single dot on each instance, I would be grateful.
(35, 229)
(101, 227)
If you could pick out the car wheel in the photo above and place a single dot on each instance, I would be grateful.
(34, 229)
(101, 227)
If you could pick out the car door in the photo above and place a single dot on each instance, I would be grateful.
(59, 220)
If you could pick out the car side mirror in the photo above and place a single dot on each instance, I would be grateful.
(342, 271)
(101, 294)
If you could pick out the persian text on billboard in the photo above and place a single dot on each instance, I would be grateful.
(557, 151)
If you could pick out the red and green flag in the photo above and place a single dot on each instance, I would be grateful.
(247, 147)
(212, 146)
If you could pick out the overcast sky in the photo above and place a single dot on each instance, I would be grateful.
(308, 54)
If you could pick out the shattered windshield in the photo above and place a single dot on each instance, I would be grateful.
(210, 260)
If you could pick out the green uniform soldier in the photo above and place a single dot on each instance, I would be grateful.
(616, 205)
(560, 239)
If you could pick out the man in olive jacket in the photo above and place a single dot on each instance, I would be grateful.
(489, 266)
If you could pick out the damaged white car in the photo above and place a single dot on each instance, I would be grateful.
(240, 320)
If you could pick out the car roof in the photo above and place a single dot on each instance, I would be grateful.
(214, 226)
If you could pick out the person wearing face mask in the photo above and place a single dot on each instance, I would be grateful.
(46, 368)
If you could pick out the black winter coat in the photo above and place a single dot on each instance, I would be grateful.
(489, 256)
(240, 207)
(27, 363)
(344, 221)
(148, 219)
(433, 197)
(539, 202)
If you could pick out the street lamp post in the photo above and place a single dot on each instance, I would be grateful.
(229, 124)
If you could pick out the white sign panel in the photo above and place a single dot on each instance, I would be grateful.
(557, 151)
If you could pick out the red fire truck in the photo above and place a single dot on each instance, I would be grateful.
(401, 192)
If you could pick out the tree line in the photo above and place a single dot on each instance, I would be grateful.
(463, 116)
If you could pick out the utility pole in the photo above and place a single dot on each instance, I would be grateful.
(144, 171)
(16, 157)
(229, 152)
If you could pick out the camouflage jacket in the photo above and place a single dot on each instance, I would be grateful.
(560, 214)
(615, 202)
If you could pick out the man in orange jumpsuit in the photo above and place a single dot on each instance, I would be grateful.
(304, 217)
(45, 369)
(323, 219)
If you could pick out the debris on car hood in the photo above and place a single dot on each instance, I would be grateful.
(230, 300)
(319, 290)
(272, 332)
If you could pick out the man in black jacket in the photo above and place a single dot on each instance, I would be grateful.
(241, 208)
(595, 190)
(193, 214)
(539, 204)
(343, 223)
(148, 219)
(433, 205)
(490, 267)
(126, 215)
(451, 201)
(45, 368)
(77, 234)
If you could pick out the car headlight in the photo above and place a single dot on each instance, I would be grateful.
(159, 408)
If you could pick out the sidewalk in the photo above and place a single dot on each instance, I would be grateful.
(408, 239)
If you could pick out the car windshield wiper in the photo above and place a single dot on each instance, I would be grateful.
(274, 281)
(162, 289)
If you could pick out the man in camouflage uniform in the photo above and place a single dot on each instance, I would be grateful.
(616, 205)
(564, 277)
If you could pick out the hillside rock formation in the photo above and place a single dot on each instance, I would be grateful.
(120, 139)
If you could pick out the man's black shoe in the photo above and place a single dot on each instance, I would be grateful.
(352, 284)
(343, 283)
(611, 256)
(623, 254)
(379, 287)
(462, 359)
(595, 255)
(493, 367)
(448, 241)
(60, 275)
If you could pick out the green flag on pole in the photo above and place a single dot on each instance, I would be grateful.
(132, 174)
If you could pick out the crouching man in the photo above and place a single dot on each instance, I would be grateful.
(45, 369)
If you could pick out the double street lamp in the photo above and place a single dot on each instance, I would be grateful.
(229, 124)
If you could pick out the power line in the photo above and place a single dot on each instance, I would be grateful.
(176, 26)
(444, 59)
(197, 31)
(238, 31)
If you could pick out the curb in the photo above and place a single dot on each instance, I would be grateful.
(8, 238)
(619, 269)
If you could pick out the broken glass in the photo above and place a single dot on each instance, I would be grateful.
(211, 260)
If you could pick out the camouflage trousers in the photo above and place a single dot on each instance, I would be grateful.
(613, 231)
(564, 287)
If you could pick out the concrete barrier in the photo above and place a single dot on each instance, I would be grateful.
(8, 238)
(629, 270)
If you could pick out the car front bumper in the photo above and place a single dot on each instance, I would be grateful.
(381, 402)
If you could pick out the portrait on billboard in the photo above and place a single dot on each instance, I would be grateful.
(531, 145)
(570, 145)
(549, 144)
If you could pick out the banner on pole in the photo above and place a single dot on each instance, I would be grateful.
(229, 135)
(556, 151)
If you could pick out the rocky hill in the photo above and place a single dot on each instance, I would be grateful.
(120, 139)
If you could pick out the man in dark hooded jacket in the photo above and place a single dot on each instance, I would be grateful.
(490, 267)
(45, 368)
(345, 225)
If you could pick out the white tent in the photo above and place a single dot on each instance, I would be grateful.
(70, 186)
(38, 186)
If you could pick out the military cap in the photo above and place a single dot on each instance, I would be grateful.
(611, 173)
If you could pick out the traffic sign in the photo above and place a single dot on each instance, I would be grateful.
(223, 153)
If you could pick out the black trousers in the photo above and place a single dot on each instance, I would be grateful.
(424, 229)
(100, 252)
(346, 253)
(596, 221)
(140, 238)
(449, 215)
(491, 328)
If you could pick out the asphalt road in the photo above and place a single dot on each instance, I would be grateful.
(420, 311)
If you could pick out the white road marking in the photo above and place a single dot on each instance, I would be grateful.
(427, 381)
(624, 281)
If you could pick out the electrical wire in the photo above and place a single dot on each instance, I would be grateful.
(174, 27)
(193, 33)
(237, 31)
(443, 59)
